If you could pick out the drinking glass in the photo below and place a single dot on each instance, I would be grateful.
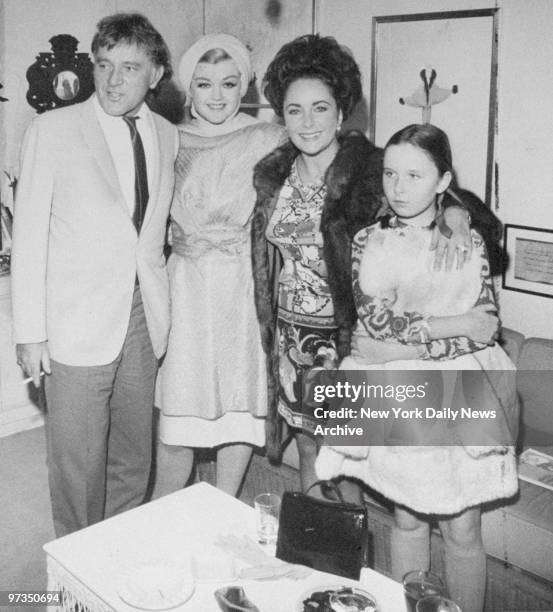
(435, 603)
(419, 584)
(267, 510)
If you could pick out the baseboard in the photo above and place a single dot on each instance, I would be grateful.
(20, 419)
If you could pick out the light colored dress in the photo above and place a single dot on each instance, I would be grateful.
(212, 385)
(396, 290)
(306, 326)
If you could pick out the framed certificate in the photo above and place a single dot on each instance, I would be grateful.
(530, 251)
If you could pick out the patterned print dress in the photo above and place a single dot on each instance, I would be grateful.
(306, 327)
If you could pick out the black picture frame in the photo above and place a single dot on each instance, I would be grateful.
(530, 252)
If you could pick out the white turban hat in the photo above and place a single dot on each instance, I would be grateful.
(234, 49)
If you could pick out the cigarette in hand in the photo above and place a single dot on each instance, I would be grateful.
(26, 381)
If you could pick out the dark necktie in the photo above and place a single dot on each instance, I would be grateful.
(140, 174)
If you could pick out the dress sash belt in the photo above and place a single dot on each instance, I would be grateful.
(232, 241)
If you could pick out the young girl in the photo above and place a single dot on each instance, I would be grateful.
(418, 318)
(212, 389)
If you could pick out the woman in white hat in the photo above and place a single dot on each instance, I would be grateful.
(212, 387)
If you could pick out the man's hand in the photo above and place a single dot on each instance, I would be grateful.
(455, 243)
(33, 356)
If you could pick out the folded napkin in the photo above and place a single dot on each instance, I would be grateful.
(233, 599)
(262, 565)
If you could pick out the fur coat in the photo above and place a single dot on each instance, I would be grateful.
(354, 197)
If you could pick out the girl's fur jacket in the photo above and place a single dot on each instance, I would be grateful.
(354, 197)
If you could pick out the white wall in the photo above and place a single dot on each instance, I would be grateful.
(2, 80)
(524, 145)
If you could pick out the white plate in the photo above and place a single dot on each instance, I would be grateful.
(336, 587)
(156, 587)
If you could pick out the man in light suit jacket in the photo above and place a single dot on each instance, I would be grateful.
(89, 282)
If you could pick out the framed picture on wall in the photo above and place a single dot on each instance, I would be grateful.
(439, 68)
(530, 252)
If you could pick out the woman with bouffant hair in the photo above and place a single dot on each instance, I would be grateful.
(313, 195)
(314, 57)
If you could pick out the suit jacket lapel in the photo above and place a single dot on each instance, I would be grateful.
(95, 140)
(158, 138)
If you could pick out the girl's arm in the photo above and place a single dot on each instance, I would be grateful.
(479, 325)
(367, 350)
(442, 337)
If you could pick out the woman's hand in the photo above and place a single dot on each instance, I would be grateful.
(452, 241)
(482, 323)
(326, 359)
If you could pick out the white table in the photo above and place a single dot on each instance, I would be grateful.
(88, 564)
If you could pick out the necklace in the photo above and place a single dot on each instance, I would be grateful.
(395, 221)
(305, 176)
(306, 191)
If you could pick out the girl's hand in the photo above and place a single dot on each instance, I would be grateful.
(365, 350)
(368, 351)
(482, 323)
(452, 241)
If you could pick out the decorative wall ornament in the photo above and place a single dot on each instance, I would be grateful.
(428, 94)
(60, 77)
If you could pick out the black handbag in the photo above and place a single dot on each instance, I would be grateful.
(328, 536)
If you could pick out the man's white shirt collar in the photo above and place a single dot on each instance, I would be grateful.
(117, 135)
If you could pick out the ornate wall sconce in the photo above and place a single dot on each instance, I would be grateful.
(60, 77)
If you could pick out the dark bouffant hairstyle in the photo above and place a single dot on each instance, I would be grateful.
(133, 29)
(314, 57)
